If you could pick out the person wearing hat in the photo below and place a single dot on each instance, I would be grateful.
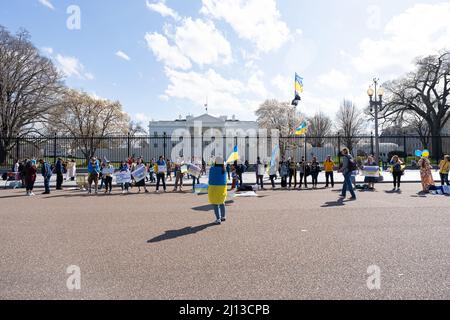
(94, 173)
(217, 189)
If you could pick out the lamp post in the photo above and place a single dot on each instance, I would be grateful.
(376, 103)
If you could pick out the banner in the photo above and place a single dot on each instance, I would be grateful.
(194, 170)
(162, 169)
(184, 169)
(140, 173)
(123, 177)
(108, 170)
(370, 171)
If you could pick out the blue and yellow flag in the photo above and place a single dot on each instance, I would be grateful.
(302, 129)
(234, 156)
(298, 85)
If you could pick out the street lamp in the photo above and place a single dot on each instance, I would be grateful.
(376, 103)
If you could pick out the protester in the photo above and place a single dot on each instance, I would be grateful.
(217, 190)
(59, 170)
(260, 170)
(125, 167)
(234, 177)
(305, 171)
(315, 170)
(292, 172)
(107, 173)
(397, 171)
(30, 176)
(16, 166)
(178, 177)
(229, 171)
(239, 171)
(426, 176)
(71, 170)
(371, 180)
(20, 171)
(161, 168)
(273, 175)
(284, 173)
(46, 172)
(444, 167)
(169, 170)
(348, 166)
(93, 174)
(101, 176)
(328, 166)
(140, 183)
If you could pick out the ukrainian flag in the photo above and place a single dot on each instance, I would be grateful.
(234, 156)
(298, 85)
(302, 129)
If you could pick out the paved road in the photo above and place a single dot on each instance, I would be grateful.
(284, 245)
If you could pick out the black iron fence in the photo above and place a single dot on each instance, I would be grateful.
(119, 148)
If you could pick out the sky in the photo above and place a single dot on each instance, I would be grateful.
(166, 58)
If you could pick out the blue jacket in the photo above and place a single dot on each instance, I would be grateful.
(92, 169)
(59, 167)
(46, 170)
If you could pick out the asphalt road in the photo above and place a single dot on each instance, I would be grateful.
(284, 245)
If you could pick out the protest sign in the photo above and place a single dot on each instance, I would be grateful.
(162, 168)
(370, 171)
(140, 173)
(194, 170)
(123, 177)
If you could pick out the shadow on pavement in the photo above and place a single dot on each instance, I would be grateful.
(393, 192)
(173, 234)
(330, 204)
(209, 207)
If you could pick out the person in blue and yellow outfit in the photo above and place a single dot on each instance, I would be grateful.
(217, 189)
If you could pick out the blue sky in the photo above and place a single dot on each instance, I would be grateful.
(162, 59)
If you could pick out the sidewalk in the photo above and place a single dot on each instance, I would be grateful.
(411, 176)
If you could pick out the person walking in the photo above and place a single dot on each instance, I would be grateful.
(30, 176)
(397, 171)
(161, 169)
(426, 177)
(217, 190)
(444, 168)
(328, 166)
(315, 170)
(46, 172)
(348, 166)
(93, 174)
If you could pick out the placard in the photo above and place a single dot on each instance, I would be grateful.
(370, 171)
(194, 170)
(140, 173)
(261, 169)
(123, 177)
(184, 169)
(108, 170)
(162, 168)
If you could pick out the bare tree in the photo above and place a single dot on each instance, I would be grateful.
(29, 87)
(424, 93)
(281, 116)
(320, 125)
(349, 123)
(88, 119)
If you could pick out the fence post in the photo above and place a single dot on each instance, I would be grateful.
(128, 145)
(17, 148)
(54, 149)
(164, 144)
(404, 146)
(371, 144)
(339, 147)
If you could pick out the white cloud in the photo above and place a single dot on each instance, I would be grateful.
(255, 20)
(47, 3)
(163, 51)
(421, 30)
(225, 96)
(335, 80)
(47, 50)
(142, 118)
(200, 41)
(256, 86)
(162, 9)
(72, 67)
(123, 55)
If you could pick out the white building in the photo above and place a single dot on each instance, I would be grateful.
(222, 123)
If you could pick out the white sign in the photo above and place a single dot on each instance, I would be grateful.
(123, 177)
(162, 168)
(140, 173)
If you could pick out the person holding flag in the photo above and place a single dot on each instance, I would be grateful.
(217, 190)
